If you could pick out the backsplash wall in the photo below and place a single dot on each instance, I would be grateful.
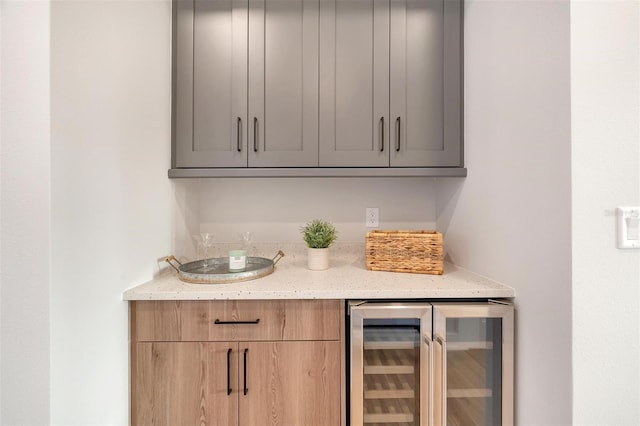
(273, 209)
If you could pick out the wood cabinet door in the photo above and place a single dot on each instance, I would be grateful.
(210, 83)
(425, 81)
(354, 83)
(184, 383)
(290, 383)
(283, 83)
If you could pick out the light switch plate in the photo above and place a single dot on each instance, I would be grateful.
(629, 227)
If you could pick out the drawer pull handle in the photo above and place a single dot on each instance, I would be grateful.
(245, 371)
(229, 372)
(218, 322)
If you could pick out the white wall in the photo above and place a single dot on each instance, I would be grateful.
(510, 219)
(275, 209)
(112, 204)
(605, 75)
(114, 211)
(25, 231)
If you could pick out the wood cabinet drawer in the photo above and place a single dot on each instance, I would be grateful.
(235, 320)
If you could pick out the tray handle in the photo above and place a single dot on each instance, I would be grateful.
(170, 258)
(277, 257)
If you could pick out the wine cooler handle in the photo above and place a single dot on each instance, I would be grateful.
(427, 384)
(443, 377)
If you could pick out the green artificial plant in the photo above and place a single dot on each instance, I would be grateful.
(319, 233)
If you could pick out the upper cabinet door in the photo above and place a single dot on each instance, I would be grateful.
(283, 83)
(211, 83)
(425, 81)
(354, 84)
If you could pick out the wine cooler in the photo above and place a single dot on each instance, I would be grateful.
(414, 363)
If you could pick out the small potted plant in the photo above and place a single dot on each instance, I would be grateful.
(319, 235)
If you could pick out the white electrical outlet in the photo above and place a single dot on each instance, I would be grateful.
(629, 227)
(371, 220)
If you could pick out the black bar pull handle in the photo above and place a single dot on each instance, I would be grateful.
(229, 372)
(255, 134)
(382, 138)
(218, 322)
(245, 371)
(239, 134)
(398, 126)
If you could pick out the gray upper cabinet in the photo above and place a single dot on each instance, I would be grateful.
(246, 83)
(317, 88)
(425, 81)
(354, 84)
(210, 83)
(283, 83)
(390, 70)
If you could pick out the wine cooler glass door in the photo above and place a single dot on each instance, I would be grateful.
(473, 364)
(390, 364)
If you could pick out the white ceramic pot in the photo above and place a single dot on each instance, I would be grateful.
(317, 259)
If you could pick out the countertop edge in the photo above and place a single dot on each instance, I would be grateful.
(319, 296)
(298, 283)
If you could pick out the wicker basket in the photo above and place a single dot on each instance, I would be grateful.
(405, 251)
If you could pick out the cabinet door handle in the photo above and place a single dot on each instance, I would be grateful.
(427, 381)
(239, 133)
(382, 138)
(255, 134)
(229, 372)
(398, 126)
(443, 377)
(245, 390)
(218, 322)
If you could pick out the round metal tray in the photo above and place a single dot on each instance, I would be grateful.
(216, 270)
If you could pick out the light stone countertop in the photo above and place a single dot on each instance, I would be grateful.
(346, 278)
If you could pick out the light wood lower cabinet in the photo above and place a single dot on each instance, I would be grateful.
(183, 383)
(293, 377)
(290, 383)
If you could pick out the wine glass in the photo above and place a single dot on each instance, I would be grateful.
(204, 243)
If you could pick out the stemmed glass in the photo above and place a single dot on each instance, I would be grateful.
(204, 243)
